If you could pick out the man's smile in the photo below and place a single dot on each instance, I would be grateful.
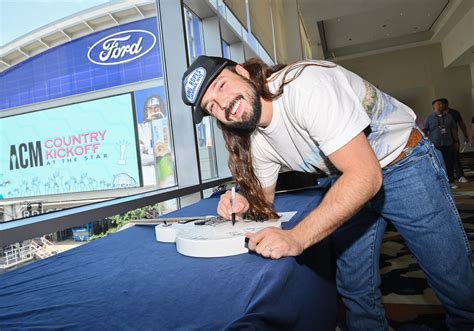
(235, 109)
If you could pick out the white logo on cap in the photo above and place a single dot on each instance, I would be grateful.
(193, 82)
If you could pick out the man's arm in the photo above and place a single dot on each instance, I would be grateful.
(459, 121)
(464, 130)
(454, 133)
(453, 127)
(361, 179)
(426, 130)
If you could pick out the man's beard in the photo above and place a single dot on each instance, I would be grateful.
(249, 121)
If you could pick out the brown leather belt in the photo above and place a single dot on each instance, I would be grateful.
(413, 140)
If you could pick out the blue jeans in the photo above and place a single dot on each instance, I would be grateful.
(416, 198)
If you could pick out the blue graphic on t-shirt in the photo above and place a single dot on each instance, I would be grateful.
(379, 126)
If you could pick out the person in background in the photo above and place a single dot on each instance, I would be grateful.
(317, 115)
(153, 109)
(458, 170)
(442, 130)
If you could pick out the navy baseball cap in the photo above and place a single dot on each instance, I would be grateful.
(197, 79)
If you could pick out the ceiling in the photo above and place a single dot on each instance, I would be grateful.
(336, 28)
(346, 28)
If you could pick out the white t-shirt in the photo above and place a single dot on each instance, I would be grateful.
(321, 111)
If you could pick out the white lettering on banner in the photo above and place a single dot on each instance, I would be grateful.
(113, 50)
(117, 48)
(193, 82)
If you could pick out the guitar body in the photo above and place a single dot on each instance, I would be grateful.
(211, 237)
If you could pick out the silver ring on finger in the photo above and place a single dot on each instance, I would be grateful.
(269, 249)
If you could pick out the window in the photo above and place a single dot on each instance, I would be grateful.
(92, 104)
(193, 35)
(225, 49)
(207, 155)
(154, 137)
(57, 86)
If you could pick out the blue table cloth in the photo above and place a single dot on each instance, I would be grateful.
(129, 281)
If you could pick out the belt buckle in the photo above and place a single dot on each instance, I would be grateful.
(407, 151)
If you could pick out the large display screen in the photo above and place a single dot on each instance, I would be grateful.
(82, 147)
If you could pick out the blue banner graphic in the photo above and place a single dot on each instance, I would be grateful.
(125, 54)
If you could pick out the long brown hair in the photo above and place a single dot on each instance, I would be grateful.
(238, 141)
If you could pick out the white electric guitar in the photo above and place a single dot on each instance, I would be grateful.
(210, 236)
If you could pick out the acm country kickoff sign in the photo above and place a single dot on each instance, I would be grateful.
(27, 155)
(76, 148)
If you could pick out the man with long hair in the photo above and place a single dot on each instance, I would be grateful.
(317, 115)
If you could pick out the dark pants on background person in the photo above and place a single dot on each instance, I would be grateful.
(458, 171)
(448, 157)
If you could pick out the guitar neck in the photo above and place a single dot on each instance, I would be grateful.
(165, 220)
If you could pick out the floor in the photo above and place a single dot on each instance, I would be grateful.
(67, 244)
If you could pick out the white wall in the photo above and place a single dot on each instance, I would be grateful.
(416, 76)
(460, 39)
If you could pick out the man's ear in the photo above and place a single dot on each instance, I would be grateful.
(242, 71)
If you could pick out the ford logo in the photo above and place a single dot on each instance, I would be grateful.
(121, 47)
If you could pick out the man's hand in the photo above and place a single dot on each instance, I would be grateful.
(225, 210)
(361, 179)
(274, 243)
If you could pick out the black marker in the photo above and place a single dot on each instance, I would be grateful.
(233, 205)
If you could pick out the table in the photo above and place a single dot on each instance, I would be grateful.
(128, 281)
